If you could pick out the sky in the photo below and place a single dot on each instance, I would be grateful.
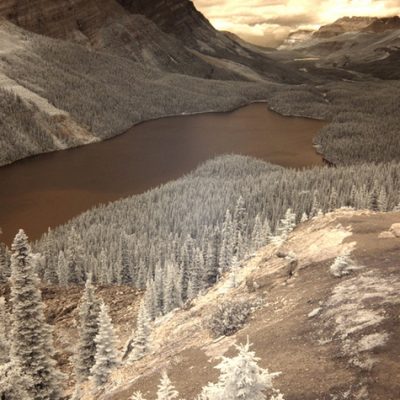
(268, 22)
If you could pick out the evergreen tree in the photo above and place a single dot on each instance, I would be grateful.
(62, 269)
(211, 265)
(4, 337)
(31, 348)
(106, 355)
(227, 244)
(14, 385)
(88, 329)
(50, 270)
(257, 239)
(150, 300)
(5, 270)
(242, 379)
(75, 259)
(239, 225)
(382, 200)
(172, 291)
(140, 342)
(316, 206)
(137, 396)
(166, 391)
(125, 275)
(196, 275)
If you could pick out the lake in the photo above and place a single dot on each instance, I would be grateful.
(47, 190)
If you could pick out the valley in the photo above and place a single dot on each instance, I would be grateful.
(174, 199)
(53, 188)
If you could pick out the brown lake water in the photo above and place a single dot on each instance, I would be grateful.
(47, 190)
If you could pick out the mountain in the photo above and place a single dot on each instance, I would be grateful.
(365, 45)
(343, 25)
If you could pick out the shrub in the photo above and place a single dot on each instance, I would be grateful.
(228, 318)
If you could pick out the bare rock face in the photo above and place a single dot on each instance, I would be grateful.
(384, 24)
(343, 25)
(61, 18)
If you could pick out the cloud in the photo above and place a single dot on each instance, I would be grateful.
(267, 22)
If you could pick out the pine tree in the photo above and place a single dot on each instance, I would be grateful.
(239, 225)
(137, 396)
(88, 329)
(150, 300)
(196, 275)
(125, 276)
(50, 270)
(257, 240)
(106, 355)
(242, 379)
(5, 271)
(316, 206)
(172, 291)
(166, 391)
(211, 265)
(14, 385)
(62, 269)
(4, 337)
(75, 259)
(140, 342)
(31, 348)
(382, 200)
(228, 242)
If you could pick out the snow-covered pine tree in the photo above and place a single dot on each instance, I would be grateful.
(315, 206)
(286, 225)
(106, 354)
(333, 200)
(257, 239)
(31, 346)
(14, 385)
(196, 280)
(62, 269)
(137, 396)
(172, 290)
(241, 378)
(150, 300)
(382, 200)
(211, 265)
(50, 261)
(187, 256)
(4, 336)
(227, 242)
(239, 225)
(103, 269)
(125, 275)
(166, 391)
(5, 271)
(88, 329)
(140, 342)
(75, 259)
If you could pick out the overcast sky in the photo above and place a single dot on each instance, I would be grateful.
(267, 22)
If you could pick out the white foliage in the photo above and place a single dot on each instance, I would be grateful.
(242, 379)
(343, 265)
(106, 354)
(166, 391)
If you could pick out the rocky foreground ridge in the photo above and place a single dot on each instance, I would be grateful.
(333, 334)
(331, 337)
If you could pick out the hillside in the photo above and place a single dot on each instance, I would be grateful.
(343, 327)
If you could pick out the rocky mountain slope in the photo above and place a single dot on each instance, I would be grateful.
(305, 322)
(362, 44)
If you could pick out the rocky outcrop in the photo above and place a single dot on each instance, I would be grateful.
(343, 25)
(66, 19)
